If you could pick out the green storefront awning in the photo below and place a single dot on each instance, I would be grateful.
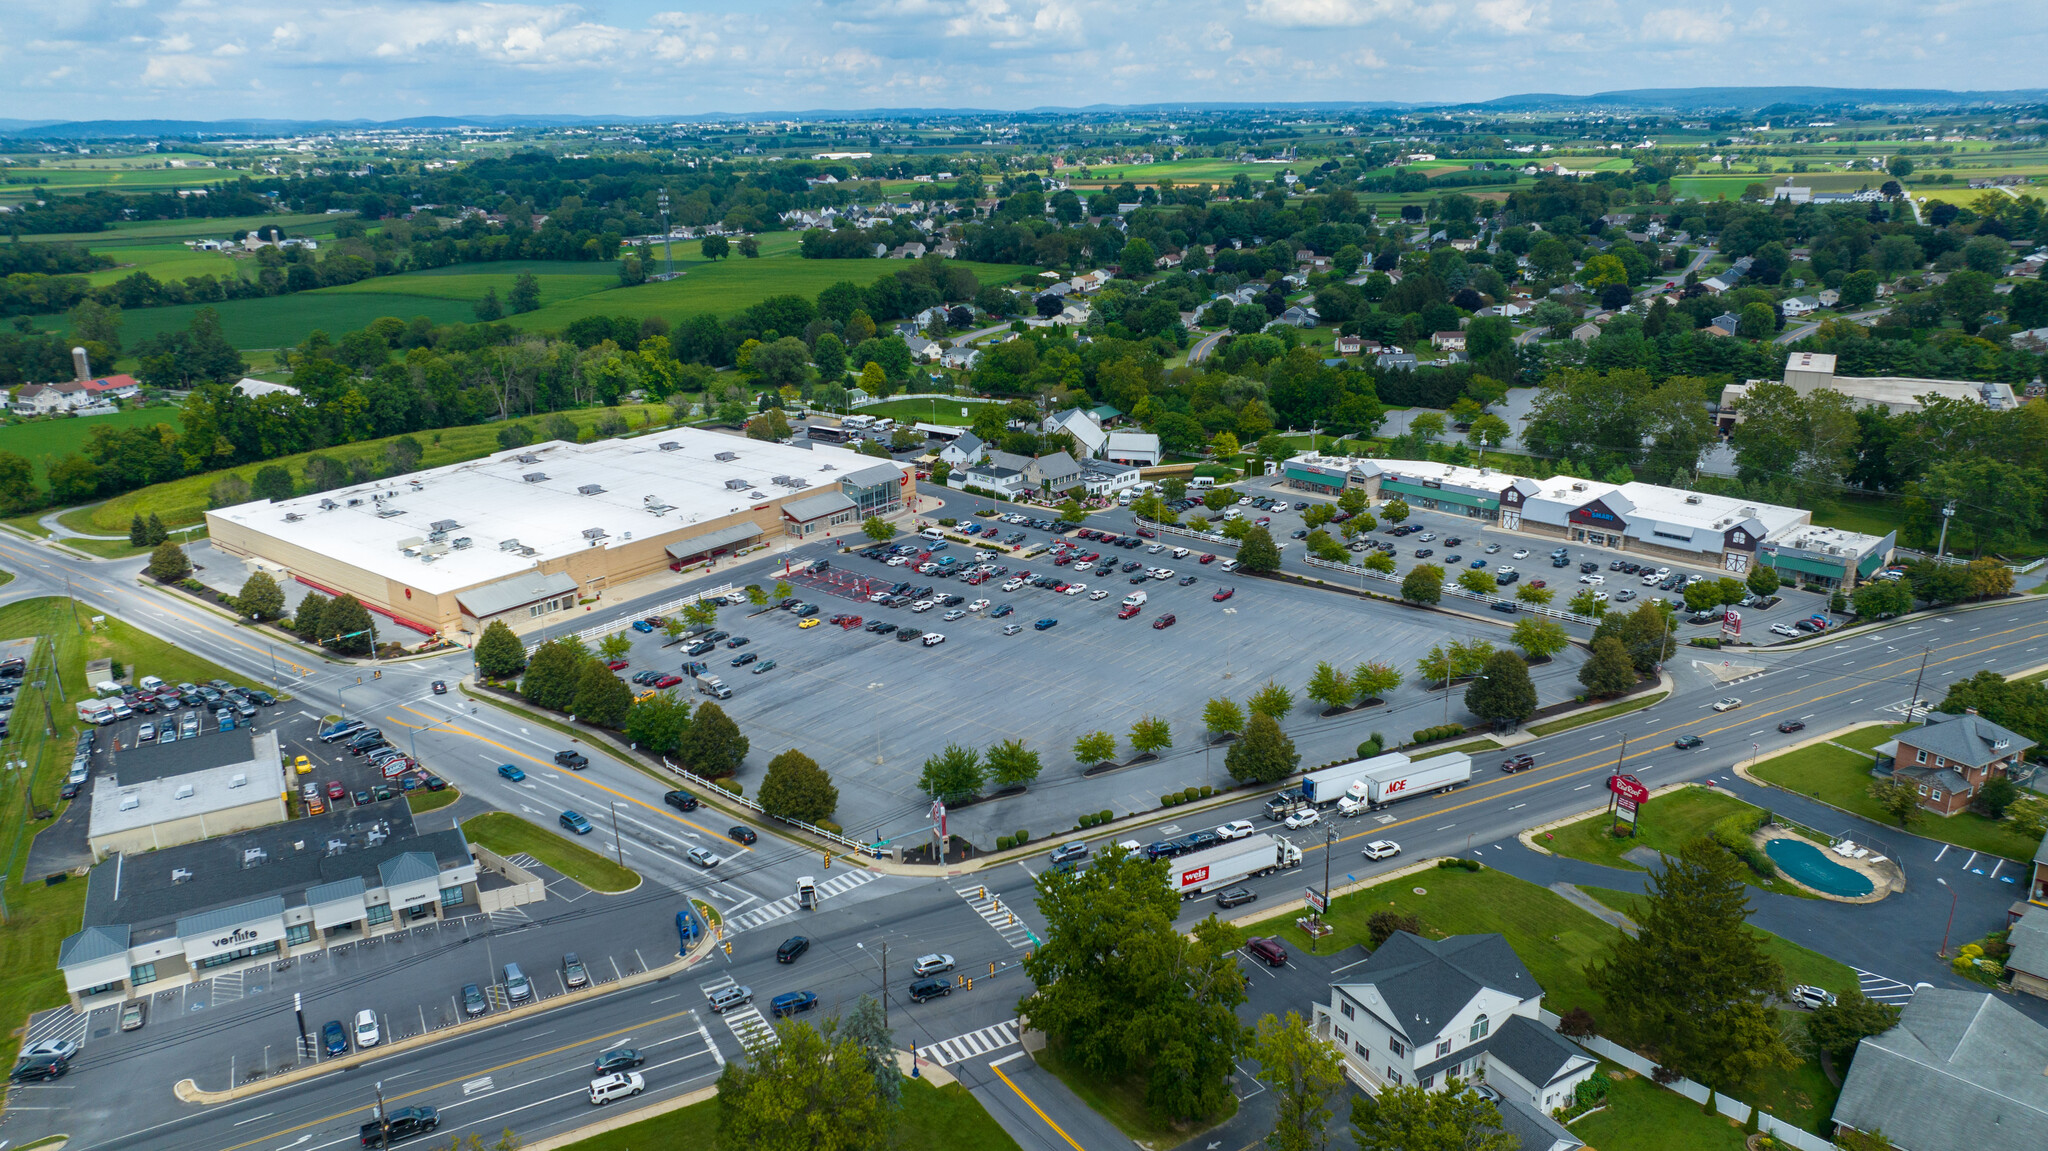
(1417, 491)
(1321, 479)
(1785, 563)
(1870, 563)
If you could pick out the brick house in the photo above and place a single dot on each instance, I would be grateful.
(1949, 757)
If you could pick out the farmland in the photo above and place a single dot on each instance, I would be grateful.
(44, 440)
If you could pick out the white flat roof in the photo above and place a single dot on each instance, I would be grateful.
(635, 490)
(212, 789)
(1710, 512)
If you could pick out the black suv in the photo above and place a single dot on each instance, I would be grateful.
(680, 800)
(925, 989)
(792, 947)
(39, 1067)
(573, 760)
(403, 1123)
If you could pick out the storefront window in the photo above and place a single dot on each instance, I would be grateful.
(141, 973)
(379, 914)
(451, 897)
(298, 933)
(244, 953)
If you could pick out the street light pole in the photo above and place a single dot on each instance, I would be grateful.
(383, 1121)
(618, 845)
(1941, 547)
(885, 980)
(1943, 953)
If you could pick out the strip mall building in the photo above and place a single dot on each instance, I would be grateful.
(1648, 521)
(524, 534)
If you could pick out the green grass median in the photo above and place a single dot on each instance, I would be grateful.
(509, 835)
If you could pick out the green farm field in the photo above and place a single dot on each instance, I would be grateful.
(281, 321)
(304, 224)
(131, 179)
(44, 440)
(172, 261)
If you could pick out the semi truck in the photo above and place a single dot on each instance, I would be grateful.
(1390, 782)
(1219, 867)
(712, 686)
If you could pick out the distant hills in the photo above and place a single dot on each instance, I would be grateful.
(1680, 100)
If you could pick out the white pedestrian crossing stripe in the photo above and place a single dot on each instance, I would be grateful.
(1880, 989)
(947, 1052)
(770, 912)
(745, 1022)
(993, 911)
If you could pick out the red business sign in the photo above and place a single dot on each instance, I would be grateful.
(1193, 876)
(1628, 787)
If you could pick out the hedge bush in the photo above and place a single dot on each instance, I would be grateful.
(1169, 800)
(1440, 731)
(1021, 838)
(1733, 832)
(1190, 794)
(947, 522)
(1706, 641)
(729, 785)
(1003, 843)
(1207, 791)
(1369, 748)
(1457, 864)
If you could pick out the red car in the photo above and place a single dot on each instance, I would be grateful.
(1127, 611)
(1147, 533)
(1163, 621)
(1223, 594)
(617, 665)
(1063, 559)
(668, 681)
(1207, 559)
(336, 791)
(849, 622)
(1539, 583)
(1264, 521)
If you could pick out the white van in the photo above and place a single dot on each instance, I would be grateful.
(1123, 499)
(151, 683)
(1201, 483)
(1135, 599)
(932, 534)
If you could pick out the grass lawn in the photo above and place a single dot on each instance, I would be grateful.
(942, 411)
(1842, 778)
(1555, 939)
(110, 549)
(200, 228)
(1642, 1116)
(1664, 824)
(508, 835)
(932, 1117)
(1599, 713)
(1801, 964)
(282, 321)
(1124, 1105)
(43, 440)
(170, 262)
(183, 501)
(28, 525)
(422, 802)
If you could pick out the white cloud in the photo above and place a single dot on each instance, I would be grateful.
(1314, 13)
(1510, 16)
(1688, 26)
(177, 72)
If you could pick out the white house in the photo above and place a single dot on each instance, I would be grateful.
(960, 359)
(1422, 1012)
(1800, 306)
(922, 350)
(966, 449)
(1080, 424)
(43, 399)
(1105, 478)
(1132, 448)
(1003, 481)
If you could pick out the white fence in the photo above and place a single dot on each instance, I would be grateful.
(1733, 1108)
(751, 805)
(590, 634)
(1455, 590)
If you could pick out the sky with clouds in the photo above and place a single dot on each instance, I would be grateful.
(383, 59)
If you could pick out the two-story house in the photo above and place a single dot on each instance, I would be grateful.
(1421, 1012)
(965, 449)
(1949, 757)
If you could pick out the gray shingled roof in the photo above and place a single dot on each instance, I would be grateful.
(412, 867)
(2029, 941)
(233, 916)
(1961, 1072)
(1537, 1131)
(723, 537)
(336, 892)
(1533, 1051)
(1966, 739)
(1426, 982)
(520, 590)
(874, 476)
(2041, 852)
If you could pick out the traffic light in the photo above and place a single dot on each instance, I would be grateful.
(967, 982)
(377, 675)
(991, 967)
(728, 947)
(828, 860)
(982, 891)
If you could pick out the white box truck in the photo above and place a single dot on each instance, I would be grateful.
(1219, 867)
(1387, 783)
(1329, 785)
(807, 892)
(1135, 599)
(712, 686)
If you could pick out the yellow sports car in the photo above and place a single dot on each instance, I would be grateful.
(812, 622)
(303, 765)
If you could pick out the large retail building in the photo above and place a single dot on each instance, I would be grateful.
(1647, 520)
(525, 533)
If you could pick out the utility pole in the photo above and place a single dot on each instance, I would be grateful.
(1941, 547)
(618, 845)
(383, 1121)
(1913, 701)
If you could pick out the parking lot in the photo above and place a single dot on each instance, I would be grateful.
(871, 707)
(368, 765)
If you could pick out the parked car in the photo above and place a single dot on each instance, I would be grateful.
(133, 1014)
(367, 1032)
(333, 1038)
(1811, 997)
(473, 1001)
(1267, 951)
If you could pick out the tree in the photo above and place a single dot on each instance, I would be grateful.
(310, 618)
(704, 612)
(1424, 583)
(1505, 694)
(867, 1028)
(1701, 596)
(810, 1090)
(615, 646)
(138, 532)
(657, 724)
(168, 563)
(1695, 984)
(18, 491)
(953, 773)
(1395, 510)
(1257, 552)
(1223, 716)
(1607, 671)
(489, 309)
(878, 529)
(1995, 795)
(260, 598)
(1272, 700)
(1899, 800)
(712, 744)
(1476, 582)
(795, 787)
(1225, 444)
(525, 293)
(602, 698)
(347, 627)
(1329, 686)
(1264, 754)
(1010, 764)
(273, 482)
(1304, 1073)
(1095, 747)
(499, 652)
(1125, 996)
(1587, 602)
(1380, 562)
(1374, 680)
(1649, 634)
(1530, 593)
(157, 532)
(715, 248)
(1836, 1029)
(1151, 735)
(1413, 1118)
(1538, 637)
(1762, 579)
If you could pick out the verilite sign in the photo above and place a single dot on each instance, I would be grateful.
(1629, 788)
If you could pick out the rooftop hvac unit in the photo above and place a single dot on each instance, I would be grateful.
(377, 833)
(1746, 512)
(336, 846)
(590, 490)
(184, 791)
(355, 501)
(1692, 498)
(130, 802)
(1578, 487)
(593, 533)
(783, 480)
(410, 542)
(238, 780)
(828, 468)
(527, 458)
(737, 485)
(328, 505)
(387, 513)
(509, 545)
(669, 445)
(726, 457)
(460, 542)
(429, 557)
(180, 874)
(757, 495)
(254, 857)
(292, 517)
(444, 525)
(799, 482)
(534, 477)
(625, 536)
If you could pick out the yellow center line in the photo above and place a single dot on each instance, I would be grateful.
(417, 1092)
(577, 776)
(1035, 1108)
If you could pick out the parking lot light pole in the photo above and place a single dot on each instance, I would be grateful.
(1943, 953)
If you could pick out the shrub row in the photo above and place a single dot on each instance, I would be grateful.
(1097, 819)
(1706, 641)
(1006, 842)
(1733, 832)
(1440, 731)
(1186, 795)
(1373, 746)
(1458, 865)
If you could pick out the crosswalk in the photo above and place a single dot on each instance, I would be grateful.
(770, 912)
(993, 911)
(1881, 989)
(745, 1022)
(61, 1023)
(947, 1052)
(228, 987)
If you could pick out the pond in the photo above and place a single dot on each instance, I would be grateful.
(1809, 865)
